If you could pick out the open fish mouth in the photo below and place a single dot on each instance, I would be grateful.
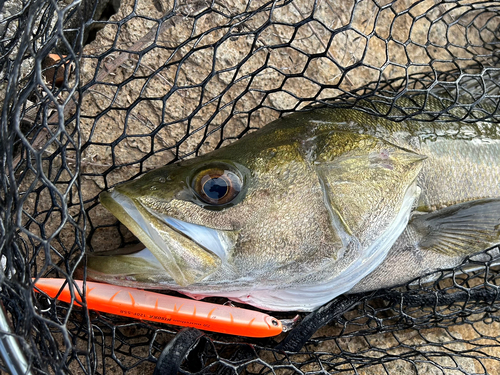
(187, 252)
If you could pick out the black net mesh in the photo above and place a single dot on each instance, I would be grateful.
(98, 92)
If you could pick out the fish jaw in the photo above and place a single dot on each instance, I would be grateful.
(187, 252)
(126, 267)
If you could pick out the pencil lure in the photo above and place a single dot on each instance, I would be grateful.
(141, 304)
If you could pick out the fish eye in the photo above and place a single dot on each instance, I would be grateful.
(217, 186)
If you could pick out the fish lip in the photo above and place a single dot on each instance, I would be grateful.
(125, 209)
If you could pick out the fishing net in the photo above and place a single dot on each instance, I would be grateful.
(98, 92)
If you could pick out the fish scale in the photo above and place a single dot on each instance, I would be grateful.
(473, 165)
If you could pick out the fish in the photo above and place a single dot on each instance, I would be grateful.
(311, 206)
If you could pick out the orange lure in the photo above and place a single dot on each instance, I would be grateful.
(141, 304)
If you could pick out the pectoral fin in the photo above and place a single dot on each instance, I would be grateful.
(464, 228)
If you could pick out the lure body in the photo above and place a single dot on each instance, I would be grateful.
(141, 304)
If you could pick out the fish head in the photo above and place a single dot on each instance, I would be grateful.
(198, 215)
(279, 207)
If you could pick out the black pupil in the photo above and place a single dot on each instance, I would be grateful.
(216, 188)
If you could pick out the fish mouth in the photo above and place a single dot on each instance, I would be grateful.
(188, 252)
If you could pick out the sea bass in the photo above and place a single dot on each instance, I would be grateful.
(313, 205)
